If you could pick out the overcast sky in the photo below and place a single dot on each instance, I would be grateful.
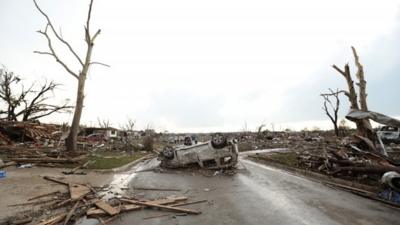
(210, 65)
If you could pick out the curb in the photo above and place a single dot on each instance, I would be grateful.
(124, 167)
(315, 176)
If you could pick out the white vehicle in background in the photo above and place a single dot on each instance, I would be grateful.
(214, 154)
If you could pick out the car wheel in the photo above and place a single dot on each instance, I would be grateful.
(168, 152)
(218, 140)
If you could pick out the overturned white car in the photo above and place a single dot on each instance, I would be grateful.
(214, 154)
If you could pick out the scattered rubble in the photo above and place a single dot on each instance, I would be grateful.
(12, 132)
(81, 200)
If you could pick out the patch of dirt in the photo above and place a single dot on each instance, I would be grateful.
(19, 185)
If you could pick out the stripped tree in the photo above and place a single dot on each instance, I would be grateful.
(52, 36)
(260, 130)
(129, 125)
(103, 123)
(364, 128)
(26, 104)
(331, 107)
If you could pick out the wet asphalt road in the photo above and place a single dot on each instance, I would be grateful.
(256, 195)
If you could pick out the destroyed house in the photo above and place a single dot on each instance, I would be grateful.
(14, 132)
(109, 132)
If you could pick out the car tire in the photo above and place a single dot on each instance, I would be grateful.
(218, 141)
(168, 152)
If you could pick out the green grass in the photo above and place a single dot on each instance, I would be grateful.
(112, 162)
(286, 158)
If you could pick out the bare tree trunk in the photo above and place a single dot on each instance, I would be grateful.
(335, 126)
(333, 106)
(364, 127)
(362, 83)
(71, 141)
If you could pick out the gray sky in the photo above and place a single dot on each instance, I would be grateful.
(210, 65)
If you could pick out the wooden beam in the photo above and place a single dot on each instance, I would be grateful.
(175, 209)
(107, 208)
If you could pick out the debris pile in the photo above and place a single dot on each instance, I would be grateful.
(81, 201)
(349, 161)
(49, 157)
(28, 132)
(294, 140)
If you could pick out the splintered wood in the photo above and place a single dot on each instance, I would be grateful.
(132, 207)
(175, 209)
(81, 200)
(78, 190)
(107, 208)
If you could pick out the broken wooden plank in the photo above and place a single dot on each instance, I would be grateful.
(189, 203)
(105, 222)
(175, 209)
(71, 212)
(44, 195)
(107, 208)
(61, 203)
(96, 212)
(155, 189)
(163, 201)
(166, 201)
(124, 208)
(156, 216)
(77, 191)
(132, 207)
(55, 180)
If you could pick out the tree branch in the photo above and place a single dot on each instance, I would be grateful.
(99, 63)
(56, 34)
(339, 70)
(53, 53)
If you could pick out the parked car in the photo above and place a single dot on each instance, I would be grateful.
(389, 134)
(214, 154)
